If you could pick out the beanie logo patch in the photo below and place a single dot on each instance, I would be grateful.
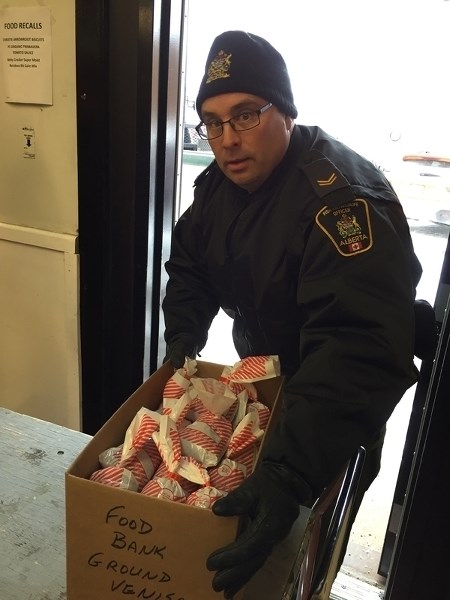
(219, 67)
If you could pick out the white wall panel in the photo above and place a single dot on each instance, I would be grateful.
(39, 370)
(39, 273)
(42, 192)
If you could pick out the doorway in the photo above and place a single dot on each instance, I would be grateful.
(369, 86)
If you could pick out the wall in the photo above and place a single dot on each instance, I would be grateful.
(39, 263)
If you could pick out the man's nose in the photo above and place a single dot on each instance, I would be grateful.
(230, 137)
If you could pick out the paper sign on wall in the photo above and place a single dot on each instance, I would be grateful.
(26, 54)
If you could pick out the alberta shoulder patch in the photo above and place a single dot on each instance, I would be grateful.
(347, 226)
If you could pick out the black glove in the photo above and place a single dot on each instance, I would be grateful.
(270, 500)
(178, 350)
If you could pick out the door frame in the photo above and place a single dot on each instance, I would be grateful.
(420, 558)
(125, 200)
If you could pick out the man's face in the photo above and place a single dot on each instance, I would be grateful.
(247, 157)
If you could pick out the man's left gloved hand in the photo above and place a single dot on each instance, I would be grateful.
(270, 500)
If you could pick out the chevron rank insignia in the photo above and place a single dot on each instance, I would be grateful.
(327, 182)
(347, 226)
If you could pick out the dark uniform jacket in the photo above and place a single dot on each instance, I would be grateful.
(318, 268)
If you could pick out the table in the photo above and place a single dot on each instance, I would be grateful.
(34, 457)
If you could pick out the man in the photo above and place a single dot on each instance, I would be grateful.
(305, 245)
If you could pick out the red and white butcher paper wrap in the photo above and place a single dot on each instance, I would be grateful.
(248, 458)
(206, 439)
(228, 475)
(177, 385)
(116, 477)
(165, 488)
(111, 457)
(204, 497)
(241, 408)
(263, 413)
(196, 407)
(188, 486)
(176, 408)
(253, 368)
(192, 470)
(236, 387)
(143, 465)
(246, 434)
(168, 442)
(215, 395)
(139, 433)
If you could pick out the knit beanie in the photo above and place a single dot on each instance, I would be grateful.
(246, 63)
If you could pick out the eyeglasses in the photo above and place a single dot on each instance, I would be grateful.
(242, 122)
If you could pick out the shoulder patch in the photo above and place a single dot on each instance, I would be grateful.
(347, 226)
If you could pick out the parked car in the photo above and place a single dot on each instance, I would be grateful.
(422, 182)
(192, 141)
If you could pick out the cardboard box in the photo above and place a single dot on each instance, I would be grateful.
(122, 543)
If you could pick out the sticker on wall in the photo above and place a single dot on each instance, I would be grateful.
(26, 54)
(29, 142)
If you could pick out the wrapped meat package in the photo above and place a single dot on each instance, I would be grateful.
(246, 434)
(165, 488)
(142, 464)
(116, 477)
(139, 434)
(205, 497)
(206, 439)
(187, 485)
(228, 475)
(203, 440)
(111, 457)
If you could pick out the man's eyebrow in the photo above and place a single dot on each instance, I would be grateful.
(244, 105)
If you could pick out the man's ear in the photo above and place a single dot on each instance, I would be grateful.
(289, 122)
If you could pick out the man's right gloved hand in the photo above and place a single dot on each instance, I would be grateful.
(178, 351)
